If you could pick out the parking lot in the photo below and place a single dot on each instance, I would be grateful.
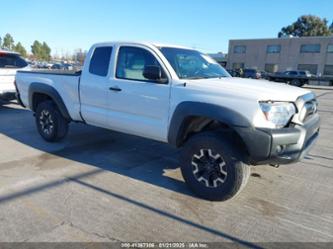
(99, 185)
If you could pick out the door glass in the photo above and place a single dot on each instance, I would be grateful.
(132, 61)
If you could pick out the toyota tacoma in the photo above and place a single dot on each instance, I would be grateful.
(182, 97)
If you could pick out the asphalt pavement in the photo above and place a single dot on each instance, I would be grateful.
(99, 185)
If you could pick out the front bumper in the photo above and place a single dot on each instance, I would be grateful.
(281, 146)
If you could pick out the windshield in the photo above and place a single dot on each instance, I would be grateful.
(191, 64)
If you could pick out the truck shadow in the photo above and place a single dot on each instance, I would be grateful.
(131, 156)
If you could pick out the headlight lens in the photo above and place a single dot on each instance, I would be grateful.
(278, 113)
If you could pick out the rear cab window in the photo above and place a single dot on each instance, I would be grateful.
(8, 60)
(100, 61)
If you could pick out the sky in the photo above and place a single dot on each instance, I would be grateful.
(206, 25)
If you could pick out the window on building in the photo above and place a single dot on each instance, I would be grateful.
(271, 68)
(328, 70)
(310, 48)
(99, 63)
(237, 65)
(239, 49)
(330, 48)
(273, 49)
(312, 68)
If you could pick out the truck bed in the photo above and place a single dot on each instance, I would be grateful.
(55, 72)
(63, 82)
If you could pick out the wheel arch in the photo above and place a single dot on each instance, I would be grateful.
(39, 92)
(196, 116)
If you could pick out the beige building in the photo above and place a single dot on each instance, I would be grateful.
(279, 54)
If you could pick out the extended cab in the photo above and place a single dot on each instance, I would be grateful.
(182, 97)
(10, 62)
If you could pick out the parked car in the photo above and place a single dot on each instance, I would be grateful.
(68, 66)
(58, 66)
(182, 97)
(10, 62)
(251, 73)
(292, 77)
(234, 72)
(264, 75)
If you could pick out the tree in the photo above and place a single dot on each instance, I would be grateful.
(307, 25)
(36, 49)
(41, 51)
(8, 42)
(46, 51)
(331, 27)
(0, 42)
(20, 49)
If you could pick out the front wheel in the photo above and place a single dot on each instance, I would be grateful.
(51, 125)
(212, 168)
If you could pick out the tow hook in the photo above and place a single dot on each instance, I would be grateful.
(275, 165)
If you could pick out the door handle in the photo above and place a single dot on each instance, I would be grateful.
(115, 88)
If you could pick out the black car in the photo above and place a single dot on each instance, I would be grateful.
(251, 73)
(57, 66)
(292, 77)
(234, 72)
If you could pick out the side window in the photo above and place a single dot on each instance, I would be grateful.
(132, 61)
(99, 63)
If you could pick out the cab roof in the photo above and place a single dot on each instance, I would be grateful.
(148, 44)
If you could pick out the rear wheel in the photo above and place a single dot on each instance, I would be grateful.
(212, 167)
(51, 125)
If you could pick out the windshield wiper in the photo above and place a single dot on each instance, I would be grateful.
(206, 77)
(197, 78)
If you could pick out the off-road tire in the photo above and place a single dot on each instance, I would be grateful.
(237, 172)
(51, 125)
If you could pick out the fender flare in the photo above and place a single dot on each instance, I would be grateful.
(42, 88)
(188, 109)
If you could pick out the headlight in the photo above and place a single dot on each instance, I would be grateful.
(278, 113)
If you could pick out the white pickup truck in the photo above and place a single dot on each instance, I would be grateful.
(10, 62)
(182, 97)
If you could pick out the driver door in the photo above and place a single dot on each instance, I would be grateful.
(137, 105)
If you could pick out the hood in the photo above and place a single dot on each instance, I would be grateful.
(253, 89)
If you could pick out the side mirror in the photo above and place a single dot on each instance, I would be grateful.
(153, 73)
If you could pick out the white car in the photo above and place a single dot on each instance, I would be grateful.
(182, 97)
(10, 62)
